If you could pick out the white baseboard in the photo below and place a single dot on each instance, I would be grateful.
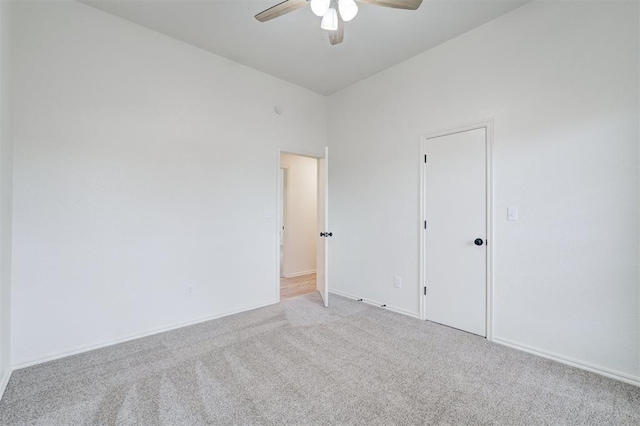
(4, 381)
(376, 303)
(299, 274)
(623, 377)
(81, 349)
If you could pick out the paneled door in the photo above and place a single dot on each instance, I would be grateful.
(456, 230)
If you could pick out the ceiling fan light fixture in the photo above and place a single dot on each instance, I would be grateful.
(320, 7)
(348, 9)
(330, 20)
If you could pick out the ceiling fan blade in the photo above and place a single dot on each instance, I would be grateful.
(337, 36)
(280, 9)
(396, 4)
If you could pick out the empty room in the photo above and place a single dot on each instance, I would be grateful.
(319, 212)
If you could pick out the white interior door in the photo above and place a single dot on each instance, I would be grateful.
(456, 228)
(322, 279)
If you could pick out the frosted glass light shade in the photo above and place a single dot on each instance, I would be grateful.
(320, 7)
(330, 20)
(348, 9)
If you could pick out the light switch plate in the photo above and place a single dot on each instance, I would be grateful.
(397, 282)
(512, 213)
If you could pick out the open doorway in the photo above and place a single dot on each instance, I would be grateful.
(298, 224)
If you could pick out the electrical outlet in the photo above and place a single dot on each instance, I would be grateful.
(397, 282)
(189, 290)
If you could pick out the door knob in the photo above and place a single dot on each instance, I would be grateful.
(478, 242)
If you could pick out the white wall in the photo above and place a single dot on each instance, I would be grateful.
(141, 165)
(302, 214)
(132, 177)
(560, 80)
(5, 195)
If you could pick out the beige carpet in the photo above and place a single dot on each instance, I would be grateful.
(298, 363)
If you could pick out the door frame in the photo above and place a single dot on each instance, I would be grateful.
(283, 204)
(279, 151)
(488, 126)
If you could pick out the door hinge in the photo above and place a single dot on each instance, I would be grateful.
(425, 224)
(425, 290)
(425, 158)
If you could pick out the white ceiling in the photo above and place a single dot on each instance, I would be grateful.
(294, 48)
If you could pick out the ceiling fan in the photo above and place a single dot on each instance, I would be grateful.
(334, 12)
